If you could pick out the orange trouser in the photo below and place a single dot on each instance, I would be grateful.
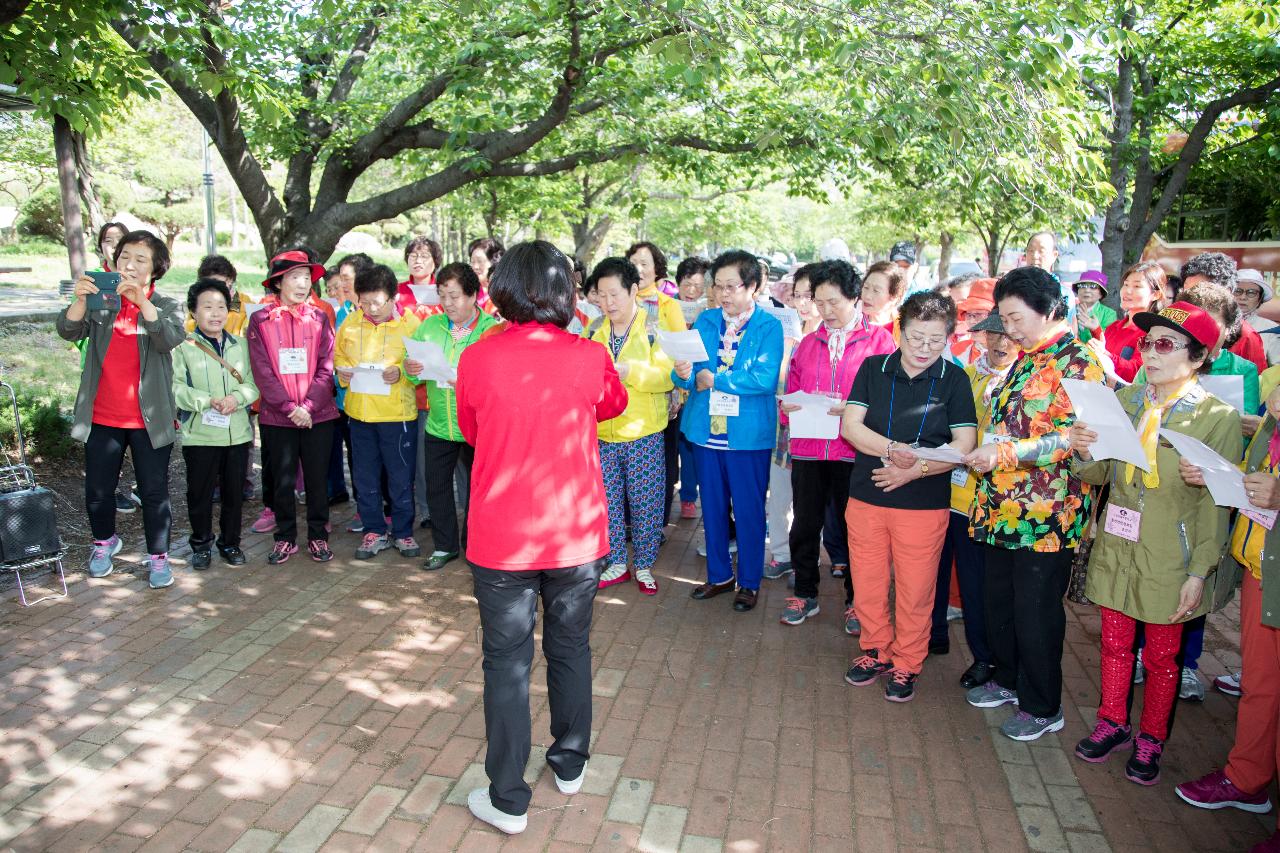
(1256, 753)
(906, 542)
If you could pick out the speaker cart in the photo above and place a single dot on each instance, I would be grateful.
(28, 525)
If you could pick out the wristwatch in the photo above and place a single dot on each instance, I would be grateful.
(924, 467)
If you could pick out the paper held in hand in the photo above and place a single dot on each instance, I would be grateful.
(946, 453)
(1224, 481)
(683, 346)
(434, 363)
(1228, 389)
(425, 294)
(792, 326)
(1098, 406)
(813, 419)
(368, 380)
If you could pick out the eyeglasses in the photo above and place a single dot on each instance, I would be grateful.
(1163, 346)
(801, 297)
(1252, 294)
(1083, 286)
(925, 343)
(727, 288)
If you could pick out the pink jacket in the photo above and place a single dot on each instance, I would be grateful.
(811, 371)
(304, 326)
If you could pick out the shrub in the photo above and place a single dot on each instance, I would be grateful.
(44, 424)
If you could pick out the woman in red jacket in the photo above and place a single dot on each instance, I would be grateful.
(1142, 289)
(537, 493)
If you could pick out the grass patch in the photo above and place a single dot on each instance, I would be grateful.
(44, 370)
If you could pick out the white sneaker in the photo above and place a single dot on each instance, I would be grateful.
(484, 809)
(1228, 684)
(1191, 687)
(954, 614)
(1139, 674)
(573, 786)
(733, 547)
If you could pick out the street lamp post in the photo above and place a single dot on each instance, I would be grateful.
(210, 238)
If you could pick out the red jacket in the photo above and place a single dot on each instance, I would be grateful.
(529, 400)
(1121, 342)
(1250, 347)
(302, 327)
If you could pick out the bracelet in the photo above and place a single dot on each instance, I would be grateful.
(888, 448)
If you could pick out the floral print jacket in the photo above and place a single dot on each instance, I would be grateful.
(1031, 500)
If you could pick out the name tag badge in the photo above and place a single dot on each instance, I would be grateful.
(1265, 517)
(724, 404)
(959, 477)
(215, 419)
(293, 360)
(1123, 522)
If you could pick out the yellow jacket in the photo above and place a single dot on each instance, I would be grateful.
(236, 321)
(670, 317)
(361, 342)
(647, 383)
(962, 494)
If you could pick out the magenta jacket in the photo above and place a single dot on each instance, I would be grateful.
(277, 327)
(810, 370)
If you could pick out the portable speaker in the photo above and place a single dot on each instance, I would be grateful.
(28, 528)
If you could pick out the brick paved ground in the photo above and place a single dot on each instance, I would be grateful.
(338, 707)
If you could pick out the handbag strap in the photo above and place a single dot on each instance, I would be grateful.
(209, 352)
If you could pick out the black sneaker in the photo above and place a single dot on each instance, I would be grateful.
(1144, 764)
(232, 555)
(866, 669)
(200, 560)
(1106, 738)
(124, 505)
(901, 686)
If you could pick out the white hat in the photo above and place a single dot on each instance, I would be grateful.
(835, 249)
(1257, 278)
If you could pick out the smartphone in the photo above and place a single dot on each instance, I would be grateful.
(106, 299)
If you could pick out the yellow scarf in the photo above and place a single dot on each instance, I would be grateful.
(1149, 430)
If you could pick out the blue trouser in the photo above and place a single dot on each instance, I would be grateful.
(688, 472)
(970, 571)
(835, 533)
(633, 473)
(391, 447)
(337, 475)
(740, 476)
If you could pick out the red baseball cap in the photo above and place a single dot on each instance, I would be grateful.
(1190, 320)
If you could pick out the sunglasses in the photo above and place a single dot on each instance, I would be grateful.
(1163, 346)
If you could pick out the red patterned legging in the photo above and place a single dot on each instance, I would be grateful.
(1158, 658)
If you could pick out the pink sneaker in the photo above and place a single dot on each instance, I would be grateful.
(688, 509)
(266, 522)
(1216, 791)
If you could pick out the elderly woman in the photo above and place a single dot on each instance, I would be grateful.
(631, 445)
(1162, 538)
(825, 363)
(882, 291)
(460, 326)
(1092, 315)
(1142, 289)
(126, 397)
(898, 502)
(691, 281)
(214, 388)
(539, 496)
(731, 419)
(1251, 291)
(483, 254)
(422, 256)
(1254, 759)
(1028, 510)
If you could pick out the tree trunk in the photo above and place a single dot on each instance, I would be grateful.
(72, 222)
(945, 241)
(1116, 221)
(88, 191)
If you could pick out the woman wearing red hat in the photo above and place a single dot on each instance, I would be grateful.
(291, 352)
(1161, 538)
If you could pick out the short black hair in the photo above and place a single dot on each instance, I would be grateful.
(1215, 266)
(837, 272)
(926, 305)
(359, 260)
(424, 243)
(1174, 285)
(659, 259)
(463, 274)
(377, 277)
(806, 272)
(159, 251)
(491, 246)
(744, 262)
(216, 265)
(1037, 288)
(692, 265)
(102, 232)
(613, 267)
(534, 284)
(203, 285)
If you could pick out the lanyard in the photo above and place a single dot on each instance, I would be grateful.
(616, 343)
(927, 401)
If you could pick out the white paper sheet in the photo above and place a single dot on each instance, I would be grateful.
(813, 419)
(945, 453)
(368, 380)
(434, 364)
(1098, 406)
(1223, 480)
(691, 310)
(792, 327)
(334, 302)
(426, 294)
(251, 308)
(1228, 389)
(683, 346)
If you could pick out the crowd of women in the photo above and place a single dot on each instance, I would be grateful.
(541, 402)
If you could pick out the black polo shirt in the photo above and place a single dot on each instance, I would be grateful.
(924, 409)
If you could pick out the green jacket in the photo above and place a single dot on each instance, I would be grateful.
(156, 340)
(1104, 314)
(1254, 459)
(442, 402)
(1182, 531)
(198, 378)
